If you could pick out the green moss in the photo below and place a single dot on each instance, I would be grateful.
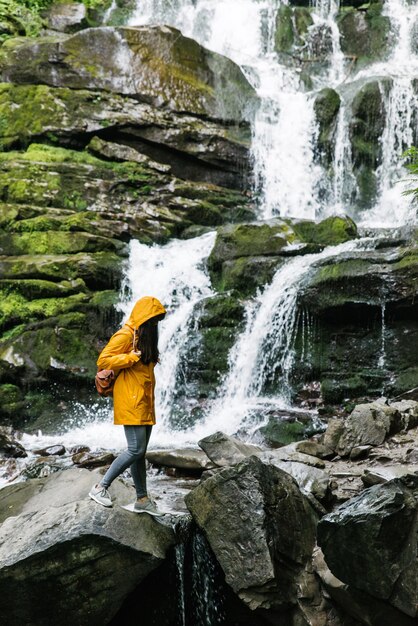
(31, 289)
(365, 34)
(19, 18)
(280, 433)
(36, 224)
(15, 308)
(9, 394)
(53, 242)
(329, 232)
(336, 391)
(284, 37)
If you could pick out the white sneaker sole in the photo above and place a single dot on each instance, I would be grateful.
(96, 499)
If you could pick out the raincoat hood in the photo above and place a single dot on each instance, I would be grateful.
(144, 309)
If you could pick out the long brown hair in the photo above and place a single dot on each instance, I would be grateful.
(148, 340)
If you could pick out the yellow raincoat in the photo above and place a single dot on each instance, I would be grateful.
(133, 395)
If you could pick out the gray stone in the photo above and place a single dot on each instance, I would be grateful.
(260, 528)
(314, 448)
(360, 452)
(61, 553)
(333, 433)
(93, 459)
(224, 450)
(118, 152)
(409, 412)
(58, 450)
(370, 543)
(383, 474)
(65, 17)
(310, 479)
(368, 424)
(9, 446)
(182, 458)
(289, 453)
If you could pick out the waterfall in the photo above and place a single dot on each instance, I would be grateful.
(175, 274)
(263, 353)
(288, 180)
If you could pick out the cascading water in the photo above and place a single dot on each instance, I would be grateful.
(263, 353)
(288, 179)
(179, 280)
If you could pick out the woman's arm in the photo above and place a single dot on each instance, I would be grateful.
(118, 353)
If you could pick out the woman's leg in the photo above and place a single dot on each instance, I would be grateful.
(136, 437)
(138, 470)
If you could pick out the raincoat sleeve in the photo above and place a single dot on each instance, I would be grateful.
(117, 354)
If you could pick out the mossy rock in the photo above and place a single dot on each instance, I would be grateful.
(281, 432)
(99, 270)
(52, 242)
(336, 391)
(329, 232)
(291, 27)
(327, 105)
(11, 401)
(367, 123)
(246, 240)
(247, 274)
(223, 310)
(194, 80)
(365, 34)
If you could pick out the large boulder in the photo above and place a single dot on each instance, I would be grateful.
(370, 424)
(260, 528)
(370, 544)
(365, 34)
(156, 64)
(61, 552)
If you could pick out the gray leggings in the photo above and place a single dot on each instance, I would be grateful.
(134, 457)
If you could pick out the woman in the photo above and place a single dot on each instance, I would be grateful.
(132, 353)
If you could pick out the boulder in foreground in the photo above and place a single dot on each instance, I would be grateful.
(66, 559)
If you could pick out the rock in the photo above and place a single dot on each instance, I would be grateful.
(411, 456)
(9, 446)
(409, 412)
(134, 61)
(362, 608)
(284, 427)
(291, 27)
(365, 34)
(92, 459)
(11, 401)
(314, 448)
(57, 450)
(78, 449)
(368, 424)
(378, 475)
(370, 544)
(182, 458)
(310, 479)
(327, 105)
(289, 453)
(260, 528)
(194, 148)
(67, 18)
(43, 466)
(118, 152)
(343, 297)
(366, 128)
(332, 435)
(360, 452)
(53, 537)
(224, 450)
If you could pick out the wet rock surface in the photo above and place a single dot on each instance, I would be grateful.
(63, 537)
(253, 515)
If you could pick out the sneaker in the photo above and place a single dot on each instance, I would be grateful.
(147, 507)
(101, 495)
